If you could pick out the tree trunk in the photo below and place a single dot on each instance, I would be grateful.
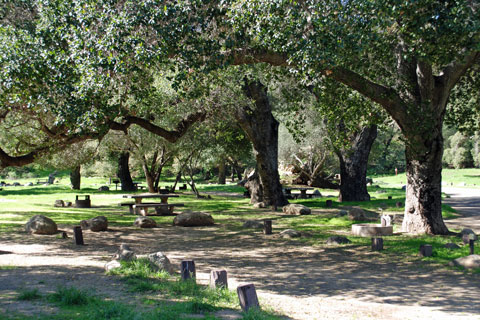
(254, 188)
(423, 207)
(222, 177)
(150, 179)
(123, 172)
(262, 129)
(353, 165)
(75, 178)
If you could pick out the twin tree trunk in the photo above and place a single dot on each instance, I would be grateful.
(353, 165)
(261, 128)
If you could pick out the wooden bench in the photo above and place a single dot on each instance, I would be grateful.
(143, 208)
(130, 206)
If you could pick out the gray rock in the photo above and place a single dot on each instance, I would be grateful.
(356, 214)
(41, 225)
(114, 264)
(290, 233)
(29, 184)
(336, 240)
(125, 253)
(470, 262)
(451, 246)
(145, 222)
(404, 188)
(59, 204)
(161, 262)
(68, 203)
(342, 213)
(259, 205)
(193, 219)
(296, 209)
(465, 235)
(254, 224)
(103, 188)
(96, 224)
(317, 193)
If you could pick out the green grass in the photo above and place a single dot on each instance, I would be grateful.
(457, 177)
(28, 295)
(70, 296)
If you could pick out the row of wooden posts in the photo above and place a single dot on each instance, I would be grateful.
(247, 294)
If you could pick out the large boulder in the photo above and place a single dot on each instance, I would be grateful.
(469, 262)
(96, 224)
(161, 262)
(296, 209)
(193, 219)
(41, 225)
(145, 222)
(356, 214)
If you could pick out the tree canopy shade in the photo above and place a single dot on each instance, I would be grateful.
(74, 65)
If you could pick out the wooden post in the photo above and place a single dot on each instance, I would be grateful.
(377, 244)
(328, 203)
(187, 270)
(247, 297)
(472, 248)
(426, 250)
(389, 197)
(78, 236)
(218, 279)
(267, 226)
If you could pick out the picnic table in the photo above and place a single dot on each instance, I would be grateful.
(162, 208)
(303, 191)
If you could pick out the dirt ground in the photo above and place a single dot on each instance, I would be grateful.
(301, 282)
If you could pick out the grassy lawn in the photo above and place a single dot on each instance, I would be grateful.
(469, 178)
(230, 210)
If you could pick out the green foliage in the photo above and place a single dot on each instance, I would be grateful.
(70, 296)
(27, 295)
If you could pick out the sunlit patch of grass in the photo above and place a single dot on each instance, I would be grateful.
(70, 296)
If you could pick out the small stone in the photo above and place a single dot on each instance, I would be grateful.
(465, 235)
(59, 204)
(404, 188)
(451, 246)
(161, 262)
(96, 224)
(317, 194)
(296, 209)
(68, 203)
(41, 225)
(336, 240)
(253, 224)
(114, 264)
(356, 214)
(342, 213)
(125, 253)
(145, 222)
(290, 233)
(259, 205)
(29, 184)
(470, 262)
(103, 188)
